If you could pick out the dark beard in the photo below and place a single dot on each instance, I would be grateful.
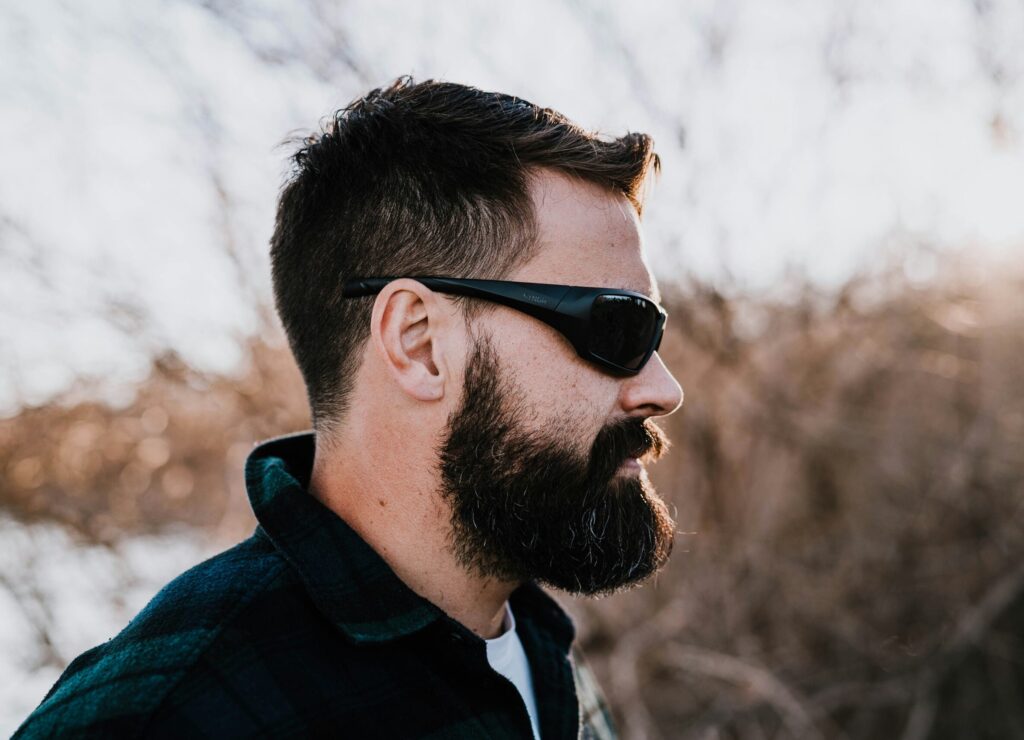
(526, 506)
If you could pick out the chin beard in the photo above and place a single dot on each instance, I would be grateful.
(527, 506)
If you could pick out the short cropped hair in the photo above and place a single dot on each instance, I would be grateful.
(425, 178)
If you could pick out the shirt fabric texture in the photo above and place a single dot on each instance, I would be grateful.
(506, 655)
(303, 630)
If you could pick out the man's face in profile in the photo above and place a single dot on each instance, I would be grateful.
(531, 456)
(527, 505)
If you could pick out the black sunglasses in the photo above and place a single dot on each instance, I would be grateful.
(618, 330)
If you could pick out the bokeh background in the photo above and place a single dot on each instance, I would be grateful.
(839, 234)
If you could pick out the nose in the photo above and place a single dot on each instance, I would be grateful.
(653, 391)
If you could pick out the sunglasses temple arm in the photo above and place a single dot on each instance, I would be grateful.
(535, 299)
(522, 296)
(365, 287)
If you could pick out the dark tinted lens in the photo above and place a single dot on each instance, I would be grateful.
(622, 329)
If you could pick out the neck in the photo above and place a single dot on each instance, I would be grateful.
(398, 511)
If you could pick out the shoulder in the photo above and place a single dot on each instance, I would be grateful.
(112, 689)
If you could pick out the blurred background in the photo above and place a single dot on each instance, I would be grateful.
(839, 234)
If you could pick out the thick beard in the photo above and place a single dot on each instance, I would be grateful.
(527, 506)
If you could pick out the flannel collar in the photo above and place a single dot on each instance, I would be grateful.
(345, 577)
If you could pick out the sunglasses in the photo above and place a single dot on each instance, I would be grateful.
(617, 330)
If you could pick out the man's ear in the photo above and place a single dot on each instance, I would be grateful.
(407, 328)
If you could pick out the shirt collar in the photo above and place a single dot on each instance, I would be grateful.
(345, 577)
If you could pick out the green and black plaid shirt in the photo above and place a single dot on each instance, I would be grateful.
(303, 630)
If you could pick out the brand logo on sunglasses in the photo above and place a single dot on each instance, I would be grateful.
(534, 298)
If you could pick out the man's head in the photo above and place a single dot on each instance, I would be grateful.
(431, 179)
(525, 437)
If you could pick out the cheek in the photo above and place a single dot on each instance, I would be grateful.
(556, 386)
(558, 397)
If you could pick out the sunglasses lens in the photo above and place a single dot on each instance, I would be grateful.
(622, 329)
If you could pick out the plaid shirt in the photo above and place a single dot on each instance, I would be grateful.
(304, 630)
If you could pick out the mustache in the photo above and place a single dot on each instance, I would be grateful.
(624, 439)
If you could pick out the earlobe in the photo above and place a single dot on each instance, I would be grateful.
(405, 327)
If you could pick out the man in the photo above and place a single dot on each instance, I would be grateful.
(462, 280)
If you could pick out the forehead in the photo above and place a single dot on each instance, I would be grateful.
(587, 236)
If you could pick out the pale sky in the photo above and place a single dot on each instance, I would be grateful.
(796, 135)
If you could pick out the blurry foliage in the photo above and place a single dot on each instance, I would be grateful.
(847, 472)
(848, 475)
(175, 454)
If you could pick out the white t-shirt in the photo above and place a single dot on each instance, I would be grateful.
(506, 655)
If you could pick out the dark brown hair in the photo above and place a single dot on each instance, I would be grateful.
(425, 178)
